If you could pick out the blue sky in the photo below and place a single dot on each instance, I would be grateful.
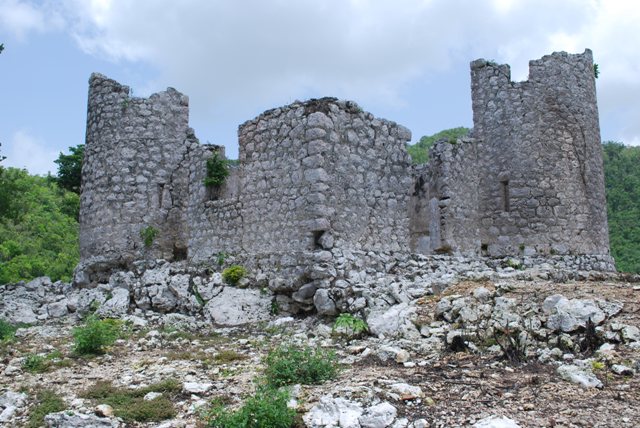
(407, 61)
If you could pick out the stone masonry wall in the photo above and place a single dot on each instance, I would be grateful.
(133, 175)
(542, 186)
(323, 189)
(312, 176)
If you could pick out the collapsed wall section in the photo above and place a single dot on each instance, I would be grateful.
(133, 174)
(541, 188)
(443, 209)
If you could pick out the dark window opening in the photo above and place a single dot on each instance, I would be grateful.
(160, 194)
(317, 237)
(179, 253)
(505, 196)
(417, 188)
(213, 193)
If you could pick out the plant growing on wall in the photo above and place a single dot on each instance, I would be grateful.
(217, 171)
(233, 274)
(148, 235)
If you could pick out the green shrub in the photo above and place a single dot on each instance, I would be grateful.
(217, 171)
(289, 365)
(349, 325)
(148, 235)
(130, 405)
(47, 402)
(233, 274)
(266, 409)
(7, 331)
(95, 335)
(35, 363)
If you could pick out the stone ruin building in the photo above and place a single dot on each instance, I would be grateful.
(322, 185)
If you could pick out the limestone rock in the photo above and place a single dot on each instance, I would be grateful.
(67, 419)
(570, 315)
(395, 321)
(117, 305)
(10, 403)
(334, 412)
(58, 309)
(496, 422)
(579, 374)
(406, 391)
(196, 387)
(324, 303)
(235, 306)
(19, 312)
(379, 416)
(103, 410)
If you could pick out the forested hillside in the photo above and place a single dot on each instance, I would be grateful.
(622, 180)
(38, 227)
(420, 151)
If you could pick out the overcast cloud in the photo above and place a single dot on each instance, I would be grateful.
(249, 55)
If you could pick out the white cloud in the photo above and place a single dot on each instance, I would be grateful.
(232, 56)
(19, 17)
(29, 152)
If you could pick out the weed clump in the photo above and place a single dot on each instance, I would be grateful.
(130, 405)
(148, 235)
(96, 335)
(7, 331)
(233, 274)
(267, 408)
(46, 402)
(289, 365)
(228, 356)
(348, 325)
(34, 363)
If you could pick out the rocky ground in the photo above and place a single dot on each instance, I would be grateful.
(523, 352)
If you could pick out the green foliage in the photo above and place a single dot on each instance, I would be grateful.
(34, 363)
(96, 335)
(420, 151)
(233, 274)
(1, 157)
(38, 228)
(130, 405)
(7, 331)
(350, 325)
(1, 47)
(266, 409)
(596, 70)
(217, 171)
(47, 402)
(622, 182)
(288, 365)
(148, 235)
(70, 169)
(221, 257)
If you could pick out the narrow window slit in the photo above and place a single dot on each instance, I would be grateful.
(160, 194)
(505, 196)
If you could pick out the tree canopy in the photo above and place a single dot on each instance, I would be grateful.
(38, 228)
(622, 182)
(420, 151)
(70, 169)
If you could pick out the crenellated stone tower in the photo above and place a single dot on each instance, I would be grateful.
(541, 187)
